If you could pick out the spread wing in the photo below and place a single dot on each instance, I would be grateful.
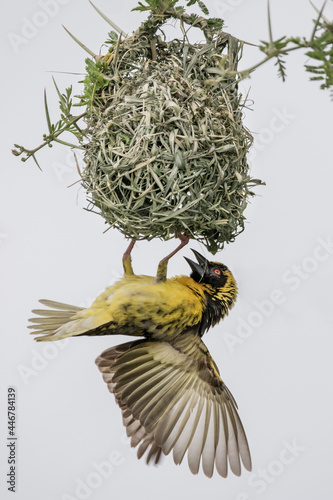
(173, 399)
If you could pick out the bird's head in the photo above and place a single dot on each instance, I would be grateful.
(218, 285)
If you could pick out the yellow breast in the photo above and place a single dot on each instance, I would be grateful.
(139, 303)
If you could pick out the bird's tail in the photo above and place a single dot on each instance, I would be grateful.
(58, 322)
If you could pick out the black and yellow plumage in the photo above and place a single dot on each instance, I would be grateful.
(167, 385)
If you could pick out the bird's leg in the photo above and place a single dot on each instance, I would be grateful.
(161, 274)
(127, 260)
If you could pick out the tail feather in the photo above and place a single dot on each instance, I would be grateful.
(60, 321)
(60, 305)
(47, 312)
(50, 320)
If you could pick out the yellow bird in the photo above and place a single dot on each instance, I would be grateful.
(167, 385)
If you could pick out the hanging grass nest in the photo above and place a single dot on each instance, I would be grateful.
(167, 149)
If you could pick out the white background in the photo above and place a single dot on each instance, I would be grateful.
(278, 364)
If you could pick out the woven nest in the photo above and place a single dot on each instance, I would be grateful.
(167, 148)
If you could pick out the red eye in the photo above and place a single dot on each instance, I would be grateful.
(217, 271)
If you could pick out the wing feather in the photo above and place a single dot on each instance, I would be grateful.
(173, 399)
(167, 434)
(197, 437)
(184, 436)
(221, 458)
(146, 382)
(243, 445)
(233, 451)
(208, 452)
(162, 404)
(149, 392)
(126, 373)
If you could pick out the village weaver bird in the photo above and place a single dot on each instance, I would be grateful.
(167, 385)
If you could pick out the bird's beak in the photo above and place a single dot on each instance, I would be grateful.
(202, 265)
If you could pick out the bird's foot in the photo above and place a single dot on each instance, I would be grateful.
(161, 274)
(127, 261)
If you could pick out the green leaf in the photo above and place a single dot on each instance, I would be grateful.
(160, 6)
(113, 38)
(215, 23)
(203, 8)
(48, 120)
(200, 4)
(142, 7)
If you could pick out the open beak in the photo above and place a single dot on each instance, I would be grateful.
(200, 268)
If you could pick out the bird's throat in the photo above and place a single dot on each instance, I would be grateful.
(214, 311)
